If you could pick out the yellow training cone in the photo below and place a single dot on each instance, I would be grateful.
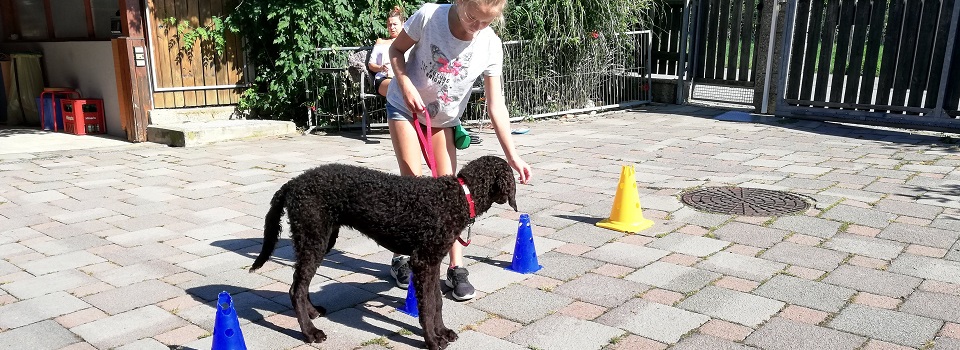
(626, 215)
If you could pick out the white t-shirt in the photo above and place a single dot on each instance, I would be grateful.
(379, 56)
(444, 68)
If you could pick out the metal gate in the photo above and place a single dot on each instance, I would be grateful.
(725, 34)
(883, 62)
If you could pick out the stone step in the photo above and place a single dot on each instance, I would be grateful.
(190, 134)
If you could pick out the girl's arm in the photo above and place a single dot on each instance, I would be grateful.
(400, 45)
(500, 117)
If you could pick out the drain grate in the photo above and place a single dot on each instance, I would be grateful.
(744, 201)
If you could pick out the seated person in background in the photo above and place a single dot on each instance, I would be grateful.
(379, 58)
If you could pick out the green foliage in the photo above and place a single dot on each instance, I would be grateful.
(189, 36)
(281, 37)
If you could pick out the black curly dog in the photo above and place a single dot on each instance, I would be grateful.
(416, 216)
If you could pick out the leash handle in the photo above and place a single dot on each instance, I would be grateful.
(426, 143)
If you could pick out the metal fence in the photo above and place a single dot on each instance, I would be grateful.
(873, 62)
(537, 83)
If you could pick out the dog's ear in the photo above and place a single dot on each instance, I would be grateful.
(507, 186)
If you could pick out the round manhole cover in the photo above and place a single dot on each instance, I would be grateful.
(744, 201)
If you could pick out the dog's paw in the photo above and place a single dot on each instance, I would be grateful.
(315, 336)
(448, 334)
(316, 311)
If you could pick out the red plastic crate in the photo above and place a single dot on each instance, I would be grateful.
(83, 116)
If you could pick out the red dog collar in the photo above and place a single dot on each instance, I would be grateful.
(466, 191)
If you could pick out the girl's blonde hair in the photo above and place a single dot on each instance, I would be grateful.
(502, 4)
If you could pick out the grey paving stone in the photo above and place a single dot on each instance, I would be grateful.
(700, 341)
(61, 262)
(866, 246)
(804, 255)
(564, 266)
(489, 278)
(677, 278)
(215, 230)
(924, 267)
(585, 234)
(138, 254)
(115, 301)
(860, 216)
(933, 305)
(757, 236)
(692, 216)
(140, 237)
(909, 209)
(459, 315)
(69, 244)
(944, 343)
(126, 275)
(864, 279)
(892, 326)
(798, 291)
(145, 344)
(43, 335)
(857, 195)
(522, 304)
(28, 311)
(217, 263)
(626, 254)
(927, 236)
(601, 290)
(236, 281)
(471, 340)
(810, 226)
(49, 283)
(564, 332)
(784, 334)
(659, 322)
(741, 266)
(127, 327)
(746, 309)
(83, 215)
(808, 184)
(690, 245)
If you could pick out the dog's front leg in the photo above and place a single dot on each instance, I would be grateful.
(426, 281)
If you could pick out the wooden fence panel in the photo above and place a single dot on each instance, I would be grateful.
(186, 74)
(827, 38)
(858, 46)
(733, 50)
(843, 43)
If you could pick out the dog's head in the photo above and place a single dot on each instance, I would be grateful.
(491, 181)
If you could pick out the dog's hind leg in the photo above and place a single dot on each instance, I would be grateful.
(310, 250)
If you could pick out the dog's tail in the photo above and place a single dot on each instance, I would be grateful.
(271, 227)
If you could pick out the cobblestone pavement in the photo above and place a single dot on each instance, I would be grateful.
(127, 247)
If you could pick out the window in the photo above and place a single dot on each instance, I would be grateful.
(38, 20)
(69, 19)
(33, 19)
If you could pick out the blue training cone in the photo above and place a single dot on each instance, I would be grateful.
(226, 329)
(524, 253)
(410, 305)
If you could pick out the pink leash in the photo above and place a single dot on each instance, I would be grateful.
(426, 147)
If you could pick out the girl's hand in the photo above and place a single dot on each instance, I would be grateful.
(411, 96)
(526, 173)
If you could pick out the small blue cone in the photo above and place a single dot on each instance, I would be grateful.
(410, 305)
(226, 329)
(524, 253)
